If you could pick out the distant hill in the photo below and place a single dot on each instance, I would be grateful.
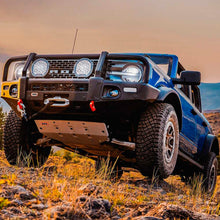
(210, 94)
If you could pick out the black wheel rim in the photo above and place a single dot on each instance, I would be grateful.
(169, 141)
(212, 177)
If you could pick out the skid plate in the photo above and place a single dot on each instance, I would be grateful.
(74, 133)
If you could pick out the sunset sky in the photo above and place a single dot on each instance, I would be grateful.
(188, 28)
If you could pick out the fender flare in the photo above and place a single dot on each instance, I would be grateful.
(210, 144)
(170, 96)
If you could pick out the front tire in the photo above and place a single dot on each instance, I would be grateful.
(157, 140)
(18, 143)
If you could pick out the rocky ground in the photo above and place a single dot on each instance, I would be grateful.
(214, 120)
(70, 189)
(67, 187)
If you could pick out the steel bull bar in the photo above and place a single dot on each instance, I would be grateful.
(99, 71)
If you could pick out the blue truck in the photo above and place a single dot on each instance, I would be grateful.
(141, 110)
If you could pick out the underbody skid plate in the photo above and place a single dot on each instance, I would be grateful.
(80, 134)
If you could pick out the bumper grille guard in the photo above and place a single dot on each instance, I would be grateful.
(100, 67)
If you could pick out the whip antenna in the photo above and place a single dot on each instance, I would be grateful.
(74, 43)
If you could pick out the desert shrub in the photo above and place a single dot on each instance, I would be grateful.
(68, 155)
(3, 203)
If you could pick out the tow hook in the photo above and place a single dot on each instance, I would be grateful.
(21, 109)
(92, 106)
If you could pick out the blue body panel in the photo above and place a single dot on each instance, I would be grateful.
(193, 132)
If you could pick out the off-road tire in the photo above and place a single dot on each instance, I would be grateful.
(210, 172)
(114, 169)
(152, 152)
(17, 143)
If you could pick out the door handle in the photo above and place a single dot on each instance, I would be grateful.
(193, 112)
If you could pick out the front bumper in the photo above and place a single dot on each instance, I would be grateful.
(95, 89)
(34, 92)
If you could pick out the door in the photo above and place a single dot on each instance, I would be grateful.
(188, 133)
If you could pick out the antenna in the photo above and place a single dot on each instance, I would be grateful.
(74, 43)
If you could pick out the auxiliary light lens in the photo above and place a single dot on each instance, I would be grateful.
(83, 67)
(40, 67)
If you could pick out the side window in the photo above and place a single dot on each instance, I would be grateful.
(184, 88)
(196, 99)
(191, 91)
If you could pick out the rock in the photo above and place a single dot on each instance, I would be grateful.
(95, 203)
(95, 208)
(180, 197)
(90, 188)
(59, 212)
(18, 189)
(16, 202)
(165, 211)
(15, 210)
(31, 215)
(10, 192)
(30, 202)
(26, 196)
(161, 191)
(115, 217)
(147, 218)
(39, 206)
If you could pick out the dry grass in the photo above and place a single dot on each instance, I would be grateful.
(62, 177)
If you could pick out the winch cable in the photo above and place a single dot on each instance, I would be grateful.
(42, 110)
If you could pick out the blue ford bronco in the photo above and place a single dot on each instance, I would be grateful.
(141, 110)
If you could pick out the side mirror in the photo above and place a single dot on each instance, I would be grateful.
(188, 78)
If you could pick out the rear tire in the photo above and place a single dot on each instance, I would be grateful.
(18, 143)
(157, 140)
(210, 172)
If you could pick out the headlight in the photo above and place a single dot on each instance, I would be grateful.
(132, 73)
(83, 67)
(129, 73)
(40, 68)
(15, 70)
(18, 70)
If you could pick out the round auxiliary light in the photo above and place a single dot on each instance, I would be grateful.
(83, 67)
(40, 68)
(131, 73)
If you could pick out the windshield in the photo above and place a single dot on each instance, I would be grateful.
(163, 62)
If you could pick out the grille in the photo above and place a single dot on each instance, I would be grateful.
(81, 87)
(65, 68)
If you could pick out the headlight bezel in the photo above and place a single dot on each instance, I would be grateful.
(12, 70)
(77, 65)
(35, 63)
